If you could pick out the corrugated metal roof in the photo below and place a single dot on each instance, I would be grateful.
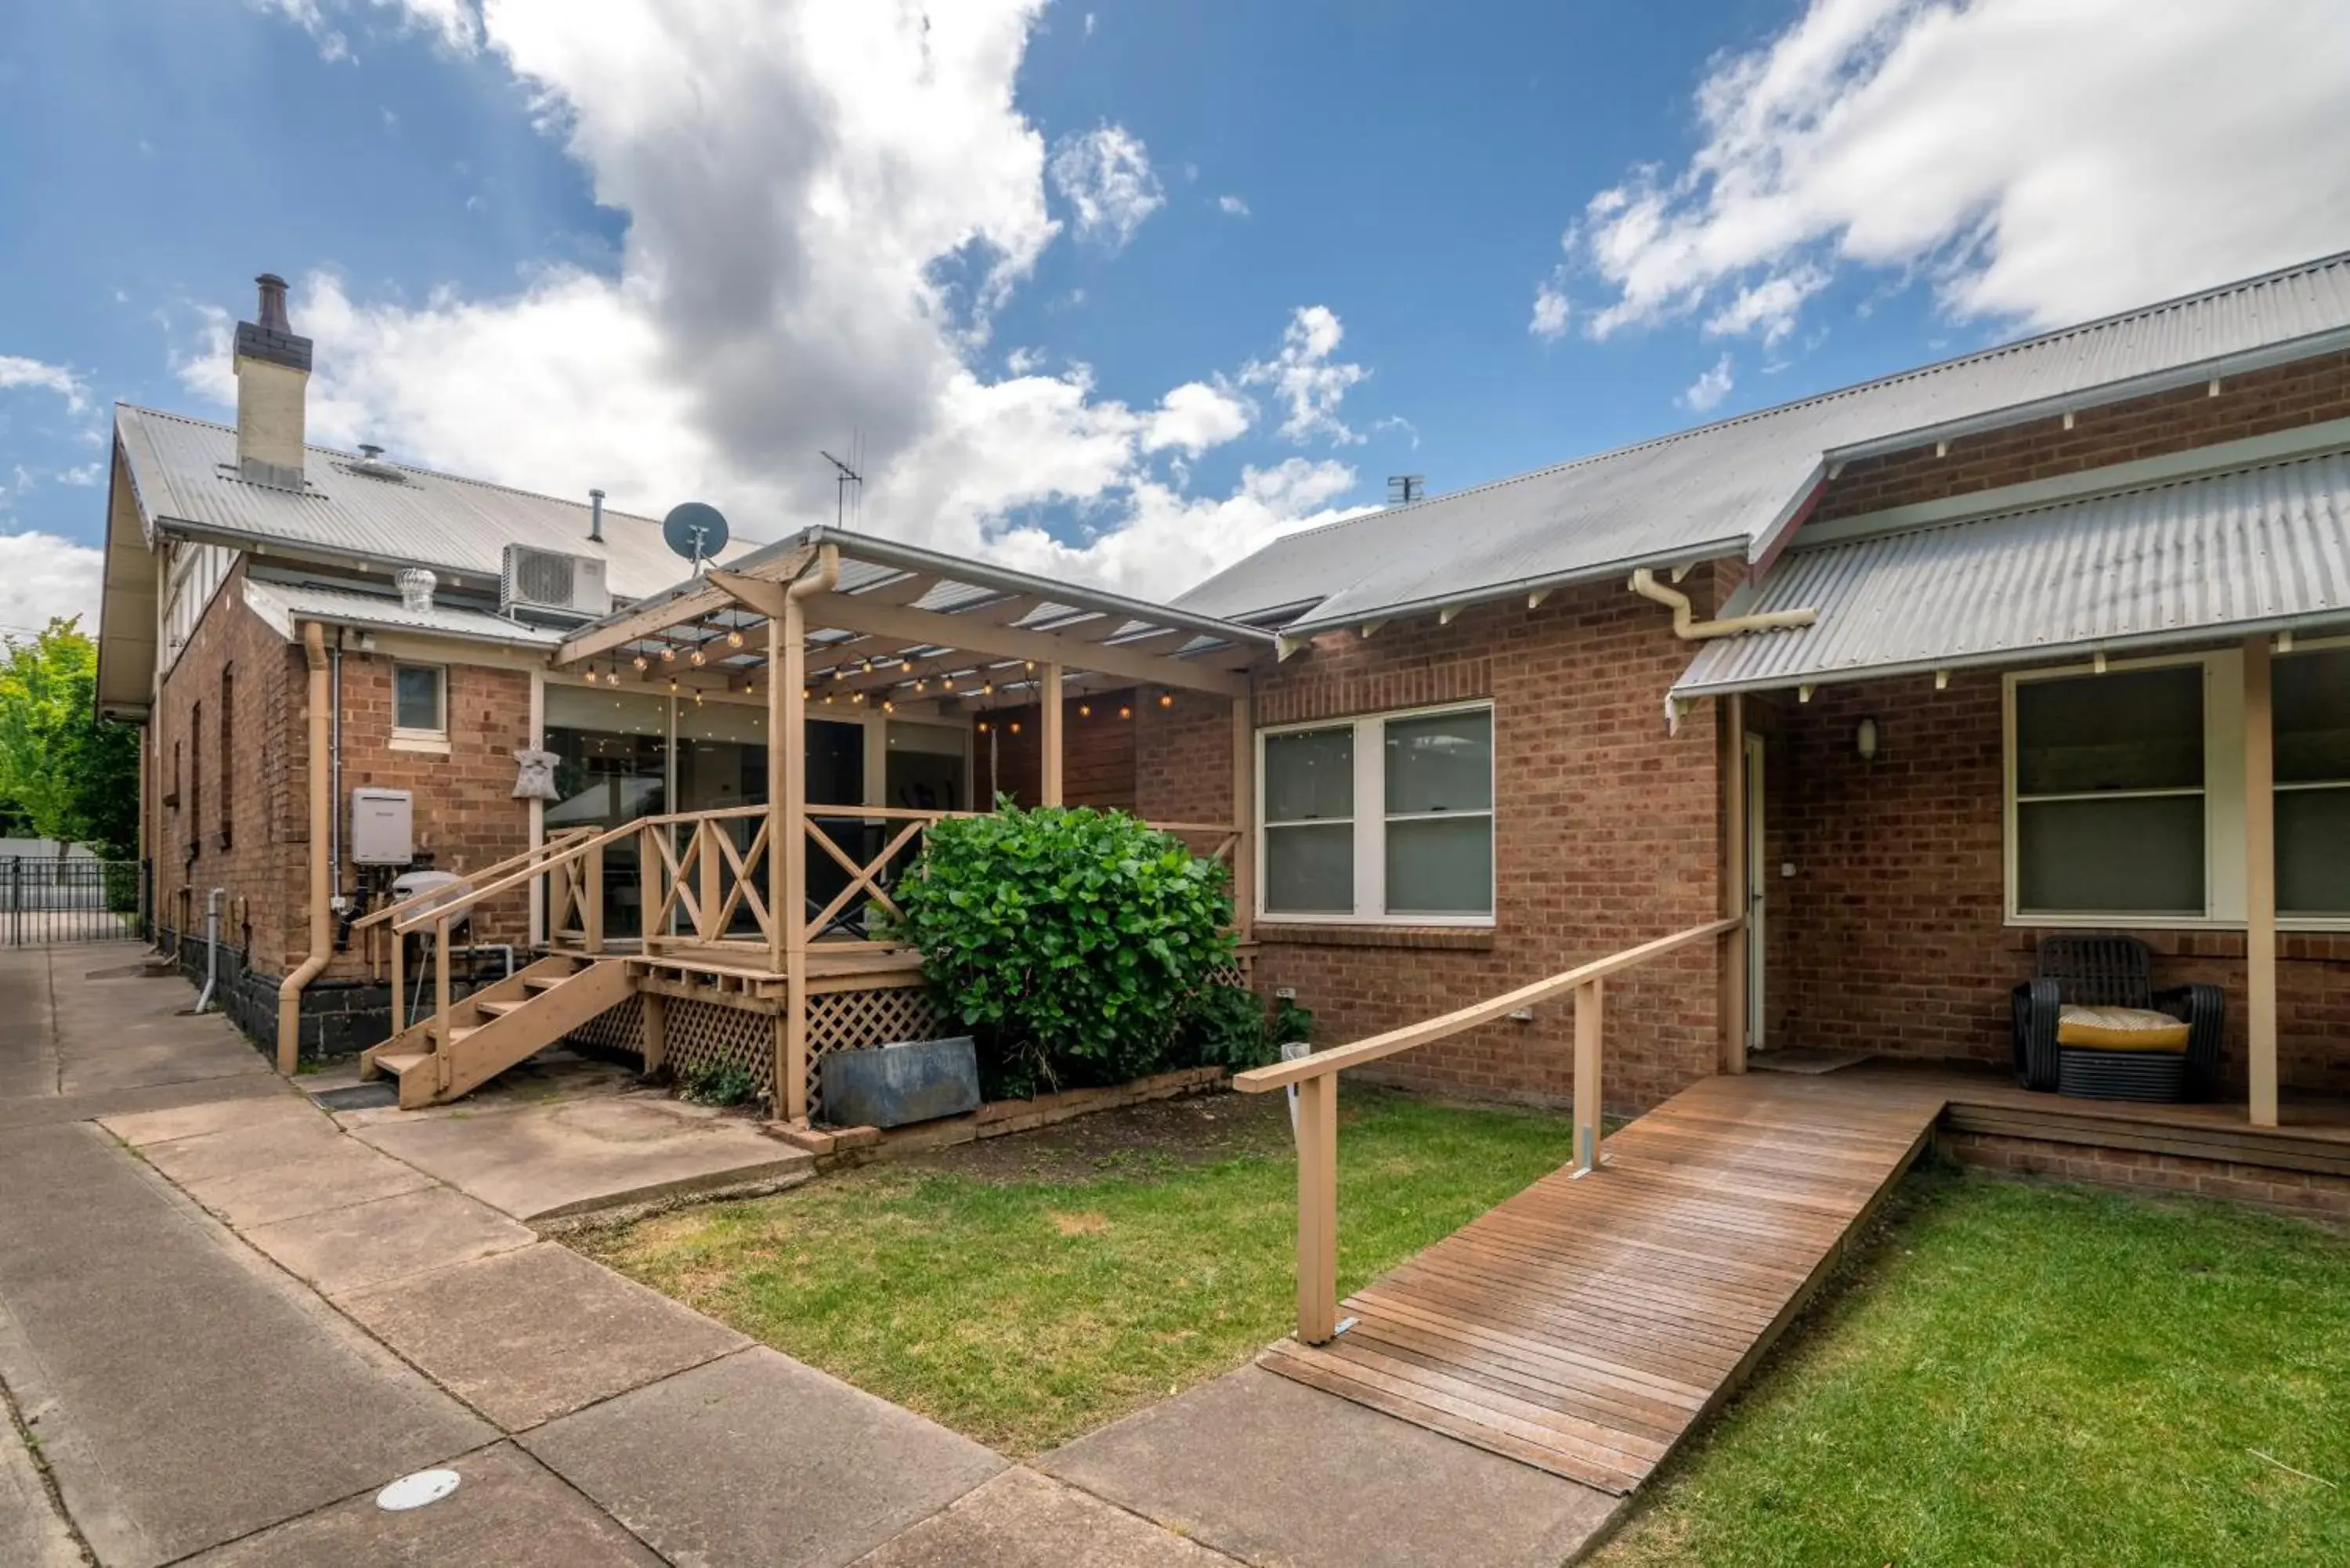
(1717, 489)
(2261, 547)
(185, 470)
(282, 604)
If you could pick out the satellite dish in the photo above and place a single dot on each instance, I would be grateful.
(695, 529)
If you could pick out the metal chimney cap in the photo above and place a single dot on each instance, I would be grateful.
(271, 317)
(416, 585)
(369, 451)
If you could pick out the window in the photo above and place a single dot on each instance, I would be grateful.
(227, 763)
(1382, 818)
(196, 773)
(420, 699)
(2109, 806)
(2126, 791)
(2310, 702)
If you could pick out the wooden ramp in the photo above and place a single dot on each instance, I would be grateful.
(1584, 1326)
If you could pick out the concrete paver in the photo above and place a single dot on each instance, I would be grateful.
(184, 1392)
(1270, 1470)
(336, 1177)
(373, 1243)
(1022, 1520)
(142, 1129)
(239, 1150)
(756, 1459)
(31, 1533)
(529, 1336)
(507, 1512)
(574, 1154)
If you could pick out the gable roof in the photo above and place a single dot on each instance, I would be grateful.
(1732, 487)
(184, 475)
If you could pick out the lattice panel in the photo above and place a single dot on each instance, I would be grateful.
(620, 1028)
(858, 1020)
(704, 1035)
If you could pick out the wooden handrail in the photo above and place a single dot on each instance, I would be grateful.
(1280, 1074)
(444, 901)
(554, 841)
(1315, 1078)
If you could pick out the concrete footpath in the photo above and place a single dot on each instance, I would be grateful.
(226, 1322)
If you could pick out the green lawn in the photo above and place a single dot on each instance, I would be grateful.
(1033, 1288)
(2039, 1375)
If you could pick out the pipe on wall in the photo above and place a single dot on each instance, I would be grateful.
(322, 949)
(1644, 583)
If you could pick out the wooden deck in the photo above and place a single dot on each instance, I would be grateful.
(1584, 1326)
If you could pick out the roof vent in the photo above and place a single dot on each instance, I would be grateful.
(595, 516)
(416, 585)
(553, 580)
(371, 462)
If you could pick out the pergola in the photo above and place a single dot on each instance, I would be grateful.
(828, 614)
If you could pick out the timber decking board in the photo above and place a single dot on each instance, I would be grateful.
(1584, 1326)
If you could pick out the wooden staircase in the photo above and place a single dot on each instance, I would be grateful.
(439, 1059)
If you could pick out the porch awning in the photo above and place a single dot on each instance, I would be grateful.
(2256, 549)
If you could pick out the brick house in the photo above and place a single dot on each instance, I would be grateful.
(1904, 677)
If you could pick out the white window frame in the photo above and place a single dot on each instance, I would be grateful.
(1370, 819)
(2223, 799)
(420, 737)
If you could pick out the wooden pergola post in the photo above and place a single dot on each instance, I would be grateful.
(1318, 1209)
(1589, 1024)
(788, 847)
(2260, 886)
(1731, 713)
(1244, 818)
(1048, 737)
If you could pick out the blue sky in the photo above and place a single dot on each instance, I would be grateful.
(1119, 289)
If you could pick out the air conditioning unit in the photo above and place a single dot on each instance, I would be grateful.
(552, 580)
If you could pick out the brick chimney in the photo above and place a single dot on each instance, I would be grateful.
(272, 373)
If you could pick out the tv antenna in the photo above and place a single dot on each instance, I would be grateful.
(696, 530)
(1403, 488)
(845, 477)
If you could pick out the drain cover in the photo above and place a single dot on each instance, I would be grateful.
(358, 1097)
(416, 1491)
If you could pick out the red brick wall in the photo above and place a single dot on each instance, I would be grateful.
(464, 811)
(1096, 751)
(1182, 756)
(1607, 835)
(2284, 398)
(2310, 1194)
(1890, 936)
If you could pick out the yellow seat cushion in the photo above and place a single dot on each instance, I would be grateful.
(2119, 1029)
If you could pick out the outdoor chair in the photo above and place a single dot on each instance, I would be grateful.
(2091, 1024)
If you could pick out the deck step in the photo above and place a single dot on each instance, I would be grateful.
(499, 1009)
(544, 982)
(403, 1062)
(460, 1036)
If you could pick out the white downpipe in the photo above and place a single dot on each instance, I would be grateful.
(212, 948)
(1644, 583)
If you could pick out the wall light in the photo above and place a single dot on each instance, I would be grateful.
(1864, 740)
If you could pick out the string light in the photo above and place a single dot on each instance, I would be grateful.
(887, 706)
(734, 637)
(697, 696)
(947, 682)
(642, 663)
(669, 654)
(672, 685)
(808, 691)
(983, 726)
(588, 676)
(697, 658)
(1084, 709)
(988, 689)
(1013, 726)
(1124, 712)
(1167, 698)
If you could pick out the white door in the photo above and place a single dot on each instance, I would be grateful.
(1756, 885)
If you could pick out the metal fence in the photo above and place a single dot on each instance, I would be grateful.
(46, 900)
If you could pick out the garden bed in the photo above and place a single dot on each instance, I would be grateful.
(1027, 1288)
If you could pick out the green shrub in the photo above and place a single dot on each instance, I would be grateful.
(1229, 1028)
(724, 1085)
(1073, 943)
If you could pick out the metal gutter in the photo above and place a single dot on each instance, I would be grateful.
(1607, 571)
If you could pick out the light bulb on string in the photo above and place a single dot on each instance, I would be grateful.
(734, 637)
(642, 663)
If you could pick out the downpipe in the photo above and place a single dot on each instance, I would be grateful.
(322, 936)
(1644, 583)
(212, 948)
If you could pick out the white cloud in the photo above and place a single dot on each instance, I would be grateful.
(1304, 377)
(802, 260)
(1104, 175)
(2041, 161)
(1089, 24)
(1232, 206)
(1195, 416)
(306, 16)
(1710, 388)
(1549, 322)
(17, 372)
(42, 576)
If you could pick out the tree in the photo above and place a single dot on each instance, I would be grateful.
(63, 772)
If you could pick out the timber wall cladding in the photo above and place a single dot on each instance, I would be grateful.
(1096, 752)
(1891, 935)
(1607, 833)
